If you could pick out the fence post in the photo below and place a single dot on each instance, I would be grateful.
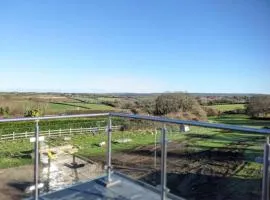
(36, 171)
(109, 182)
(69, 131)
(13, 136)
(163, 170)
(81, 129)
(26, 134)
(265, 181)
(49, 133)
(60, 132)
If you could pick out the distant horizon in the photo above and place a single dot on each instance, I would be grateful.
(108, 93)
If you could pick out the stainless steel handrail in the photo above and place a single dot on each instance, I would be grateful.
(150, 118)
(195, 123)
(53, 117)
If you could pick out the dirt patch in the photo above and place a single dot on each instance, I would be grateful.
(192, 173)
(13, 182)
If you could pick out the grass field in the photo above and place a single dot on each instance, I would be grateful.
(63, 107)
(228, 107)
(208, 138)
(52, 104)
(242, 120)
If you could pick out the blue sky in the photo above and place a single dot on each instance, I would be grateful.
(135, 46)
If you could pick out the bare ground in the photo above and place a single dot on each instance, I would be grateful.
(193, 174)
(13, 182)
(207, 174)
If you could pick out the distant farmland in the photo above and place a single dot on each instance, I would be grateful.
(228, 107)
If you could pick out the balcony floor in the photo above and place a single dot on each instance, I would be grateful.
(126, 189)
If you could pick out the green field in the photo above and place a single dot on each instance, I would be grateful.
(201, 138)
(242, 120)
(63, 107)
(52, 104)
(228, 107)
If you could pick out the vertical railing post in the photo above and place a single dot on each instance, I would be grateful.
(265, 181)
(36, 171)
(163, 170)
(155, 153)
(109, 150)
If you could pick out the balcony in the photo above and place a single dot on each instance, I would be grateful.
(154, 178)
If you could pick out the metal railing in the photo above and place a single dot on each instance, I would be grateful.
(245, 130)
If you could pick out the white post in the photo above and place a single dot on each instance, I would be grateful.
(49, 133)
(81, 129)
(60, 132)
(69, 131)
(13, 136)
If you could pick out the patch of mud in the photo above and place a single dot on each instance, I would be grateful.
(193, 174)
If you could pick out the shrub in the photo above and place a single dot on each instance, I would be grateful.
(32, 113)
(177, 102)
(211, 111)
(110, 103)
(147, 106)
(4, 110)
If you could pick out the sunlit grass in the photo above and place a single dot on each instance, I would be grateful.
(228, 107)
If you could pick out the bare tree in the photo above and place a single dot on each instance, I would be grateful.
(259, 106)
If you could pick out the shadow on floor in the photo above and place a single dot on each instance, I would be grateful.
(199, 186)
